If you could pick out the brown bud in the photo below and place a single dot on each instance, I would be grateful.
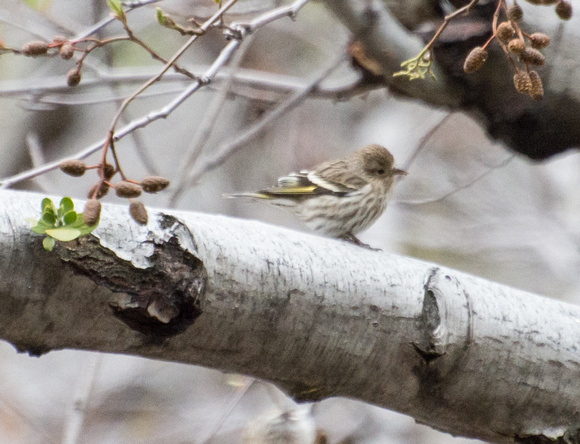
(475, 59)
(109, 171)
(32, 49)
(515, 13)
(138, 212)
(92, 212)
(67, 51)
(539, 40)
(532, 56)
(101, 192)
(536, 91)
(73, 167)
(128, 189)
(516, 46)
(73, 77)
(564, 10)
(522, 82)
(153, 184)
(505, 31)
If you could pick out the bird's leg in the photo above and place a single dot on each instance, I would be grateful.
(349, 237)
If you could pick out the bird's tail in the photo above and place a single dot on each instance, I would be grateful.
(266, 197)
(249, 195)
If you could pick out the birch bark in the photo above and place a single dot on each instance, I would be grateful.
(317, 316)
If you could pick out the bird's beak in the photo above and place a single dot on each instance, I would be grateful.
(397, 171)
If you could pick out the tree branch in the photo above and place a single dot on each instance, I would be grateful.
(317, 316)
(536, 129)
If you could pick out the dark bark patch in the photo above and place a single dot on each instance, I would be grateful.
(427, 324)
(571, 436)
(160, 301)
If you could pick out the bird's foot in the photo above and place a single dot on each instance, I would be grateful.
(349, 237)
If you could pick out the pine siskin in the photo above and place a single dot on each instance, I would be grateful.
(338, 198)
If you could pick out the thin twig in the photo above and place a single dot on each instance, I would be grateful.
(424, 140)
(447, 19)
(227, 410)
(243, 77)
(462, 187)
(233, 145)
(100, 25)
(207, 125)
(110, 139)
(204, 80)
(154, 55)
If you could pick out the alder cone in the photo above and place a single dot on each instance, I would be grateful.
(102, 191)
(475, 60)
(32, 49)
(128, 189)
(515, 13)
(522, 82)
(138, 212)
(564, 10)
(73, 167)
(92, 212)
(153, 184)
(537, 88)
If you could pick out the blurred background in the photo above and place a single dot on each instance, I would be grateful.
(467, 203)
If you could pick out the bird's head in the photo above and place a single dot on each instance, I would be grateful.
(375, 162)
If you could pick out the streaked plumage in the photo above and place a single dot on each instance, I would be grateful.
(338, 198)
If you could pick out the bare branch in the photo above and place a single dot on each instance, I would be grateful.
(211, 72)
(317, 316)
(389, 43)
(53, 89)
(239, 141)
(207, 124)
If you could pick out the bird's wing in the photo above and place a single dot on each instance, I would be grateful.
(304, 183)
(332, 178)
(295, 184)
(337, 176)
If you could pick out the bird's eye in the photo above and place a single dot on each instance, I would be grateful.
(380, 172)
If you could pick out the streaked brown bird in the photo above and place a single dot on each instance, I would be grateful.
(339, 198)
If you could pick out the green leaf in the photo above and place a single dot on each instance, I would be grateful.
(50, 212)
(64, 234)
(117, 8)
(165, 20)
(49, 218)
(161, 17)
(48, 243)
(67, 204)
(67, 226)
(39, 230)
(70, 217)
(47, 203)
(41, 227)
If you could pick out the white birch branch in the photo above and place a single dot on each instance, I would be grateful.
(317, 316)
